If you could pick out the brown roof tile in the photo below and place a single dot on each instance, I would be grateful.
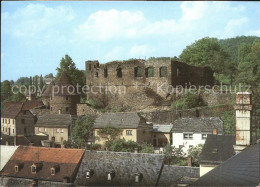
(67, 160)
(12, 110)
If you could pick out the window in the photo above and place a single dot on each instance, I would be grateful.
(23, 121)
(3, 129)
(98, 65)
(179, 70)
(3, 120)
(57, 130)
(89, 66)
(119, 72)
(25, 130)
(13, 121)
(163, 71)
(204, 136)
(96, 74)
(13, 131)
(89, 173)
(8, 121)
(188, 136)
(45, 129)
(52, 171)
(138, 72)
(62, 131)
(149, 72)
(67, 98)
(16, 168)
(67, 109)
(138, 177)
(105, 72)
(33, 169)
(129, 132)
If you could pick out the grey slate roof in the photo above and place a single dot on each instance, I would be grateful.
(240, 170)
(119, 120)
(125, 166)
(162, 128)
(174, 175)
(54, 120)
(198, 125)
(217, 149)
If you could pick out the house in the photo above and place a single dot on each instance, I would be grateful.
(101, 168)
(240, 170)
(189, 132)
(17, 119)
(216, 150)
(134, 127)
(162, 135)
(6, 152)
(57, 126)
(35, 164)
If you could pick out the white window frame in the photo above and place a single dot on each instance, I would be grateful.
(58, 130)
(129, 132)
(189, 136)
(202, 136)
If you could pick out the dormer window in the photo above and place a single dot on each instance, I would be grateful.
(33, 169)
(18, 167)
(89, 173)
(110, 175)
(55, 169)
(138, 177)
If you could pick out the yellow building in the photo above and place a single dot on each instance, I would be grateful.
(134, 127)
(57, 126)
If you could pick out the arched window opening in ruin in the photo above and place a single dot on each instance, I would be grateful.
(105, 72)
(163, 71)
(149, 72)
(98, 65)
(119, 72)
(138, 72)
(89, 66)
(179, 71)
(96, 74)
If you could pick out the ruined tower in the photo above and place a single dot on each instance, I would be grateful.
(243, 120)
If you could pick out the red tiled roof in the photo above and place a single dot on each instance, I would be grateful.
(67, 160)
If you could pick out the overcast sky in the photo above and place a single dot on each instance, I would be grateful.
(36, 35)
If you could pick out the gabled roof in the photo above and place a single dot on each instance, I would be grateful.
(217, 149)
(198, 125)
(64, 79)
(124, 165)
(6, 152)
(119, 120)
(54, 120)
(240, 170)
(12, 110)
(66, 159)
(162, 128)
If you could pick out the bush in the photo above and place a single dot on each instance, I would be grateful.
(95, 104)
(174, 156)
(194, 152)
(121, 145)
(146, 148)
(188, 100)
(229, 121)
(94, 146)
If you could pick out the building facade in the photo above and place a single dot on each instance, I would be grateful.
(190, 132)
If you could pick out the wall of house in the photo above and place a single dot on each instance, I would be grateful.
(102, 141)
(178, 139)
(205, 169)
(243, 127)
(144, 134)
(161, 139)
(54, 132)
(6, 124)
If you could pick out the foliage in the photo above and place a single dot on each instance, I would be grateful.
(82, 131)
(95, 103)
(109, 133)
(174, 156)
(6, 91)
(94, 146)
(206, 52)
(23, 81)
(229, 121)
(49, 76)
(18, 97)
(41, 82)
(188, 100)
(75, 75)
(121, 145)
(195, 152)
(146, 148)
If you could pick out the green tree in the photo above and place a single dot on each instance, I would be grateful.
(121, 145)
(206, 52)
(67, 65)
(82, 131)
(6, 91)
(36, 83)
(18, 97)
(195, 152)
(146, 148)
(49, 76)
(174, 156)
(110, 133)
(30, 83)
(41, 82)
(229, 122)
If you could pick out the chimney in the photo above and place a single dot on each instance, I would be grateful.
(243, 120)
(215, 131)
(189, 161)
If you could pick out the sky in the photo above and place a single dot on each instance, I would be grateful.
(35, 35)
